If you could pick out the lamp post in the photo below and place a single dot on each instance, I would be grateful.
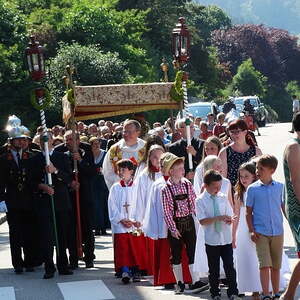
(36, 66)
(181, 53)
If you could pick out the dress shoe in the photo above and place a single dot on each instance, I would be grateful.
(65, 272)
(30, 269)
(73, 266)
(49, 275)
(18, 270)
(103, 232)
(89, 264)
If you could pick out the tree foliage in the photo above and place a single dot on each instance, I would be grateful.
(249, 81)
(265, 46)
(92, 67)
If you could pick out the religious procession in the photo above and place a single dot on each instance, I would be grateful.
(190, 204)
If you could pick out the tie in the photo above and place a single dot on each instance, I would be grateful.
(216, 213)
(18, 159)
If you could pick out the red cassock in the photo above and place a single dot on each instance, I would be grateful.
(130, 251)
(163, 272)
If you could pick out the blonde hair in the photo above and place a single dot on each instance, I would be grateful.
(209, 162)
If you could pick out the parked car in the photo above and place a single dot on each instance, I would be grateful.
(202, 109)
(260, 111)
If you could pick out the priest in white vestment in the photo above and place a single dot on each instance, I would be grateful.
(129, 147)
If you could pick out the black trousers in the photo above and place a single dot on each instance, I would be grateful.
(21, 225)
(88, 239)
(63, 231)
(214, 253)
(188, 238)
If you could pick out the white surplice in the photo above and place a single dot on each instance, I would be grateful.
(144, 185)
(154, 224)
(127, 152)
(119, 198)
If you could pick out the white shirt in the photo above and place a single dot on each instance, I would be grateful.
(154, 225)
(296, 105)
(144, 184)
(205, 209)
(118, 198)
(127, 152)
(14, 154)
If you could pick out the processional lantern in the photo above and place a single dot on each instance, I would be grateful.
(181, 42)
(35, 59)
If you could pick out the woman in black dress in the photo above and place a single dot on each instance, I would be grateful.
(100, 191)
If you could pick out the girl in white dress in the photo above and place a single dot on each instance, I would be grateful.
(212, 146)
(247, 266)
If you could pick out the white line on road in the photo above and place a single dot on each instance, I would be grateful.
(83, 290)
(7, 293)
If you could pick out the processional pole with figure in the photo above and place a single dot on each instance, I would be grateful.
(181, 53)
(40, 99)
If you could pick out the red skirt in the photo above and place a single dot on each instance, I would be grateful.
(129, 251)
(163, 272)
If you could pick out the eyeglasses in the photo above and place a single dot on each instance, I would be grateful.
(235, 131)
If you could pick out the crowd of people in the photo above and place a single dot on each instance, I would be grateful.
(222, 218)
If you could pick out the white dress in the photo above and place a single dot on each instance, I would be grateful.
(247, 266)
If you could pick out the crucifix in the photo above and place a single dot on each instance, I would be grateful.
(126, 205)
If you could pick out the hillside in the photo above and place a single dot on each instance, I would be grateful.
(284, 14)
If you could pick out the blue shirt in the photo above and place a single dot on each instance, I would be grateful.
(266, 201)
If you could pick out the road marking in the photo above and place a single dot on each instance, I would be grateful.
(83, 290)
(7, 293)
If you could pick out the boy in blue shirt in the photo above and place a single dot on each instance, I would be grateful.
(265, 222)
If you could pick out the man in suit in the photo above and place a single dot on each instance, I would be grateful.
(181, 149)
(15, 190)
(86, 170)
(60, 170)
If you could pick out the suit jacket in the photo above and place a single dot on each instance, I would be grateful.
(179, 148)
(60, 181)
(15, 183)
(86, 171)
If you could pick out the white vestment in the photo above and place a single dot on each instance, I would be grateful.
(154, 224)
(119, 198)
(144, 183)
(127, 152)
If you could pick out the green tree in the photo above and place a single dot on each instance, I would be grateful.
(92, 67)
(248, 80)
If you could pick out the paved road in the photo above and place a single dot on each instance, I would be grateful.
(99, 283)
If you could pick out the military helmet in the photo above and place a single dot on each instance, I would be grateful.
(15, 130)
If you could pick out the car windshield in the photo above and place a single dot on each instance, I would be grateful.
(200, 111)
(240, 101)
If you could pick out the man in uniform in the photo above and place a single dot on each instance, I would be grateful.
(15, 190)
(60, 169)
